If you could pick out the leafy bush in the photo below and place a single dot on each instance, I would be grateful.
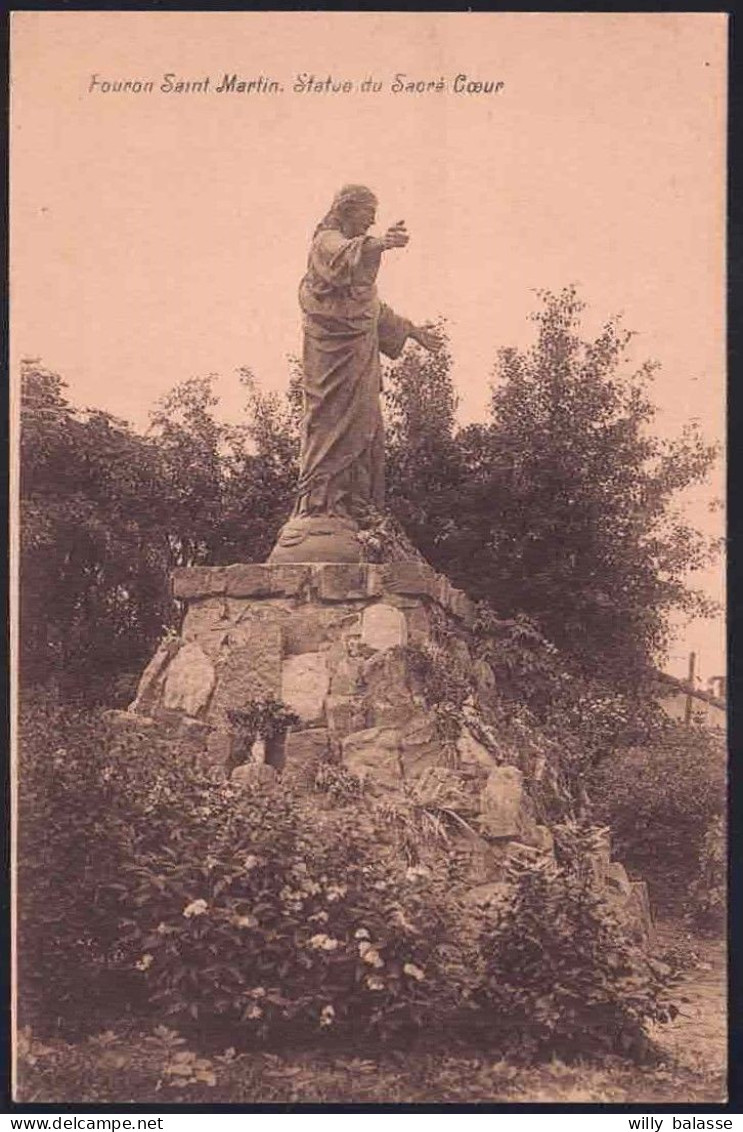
(267, 919)
(65, 846)
(265, 716)
(561, 975)
(263, 914)
(445, 684)
(225, 907)
(707, 902)
(659, 801)
(588, 716)
(87, 797)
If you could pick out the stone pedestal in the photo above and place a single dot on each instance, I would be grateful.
(339, 644)
(328, 640)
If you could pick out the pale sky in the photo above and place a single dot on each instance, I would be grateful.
(157, 236)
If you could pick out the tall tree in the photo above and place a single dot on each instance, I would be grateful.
(190, 443)
(424, 461)
(260, 462)
(93, 556)
(575, 499)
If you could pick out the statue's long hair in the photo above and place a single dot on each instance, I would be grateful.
(347, 197)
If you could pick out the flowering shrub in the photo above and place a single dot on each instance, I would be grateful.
(561, 976)
(260, 914)
(267, 918)
(209, 903)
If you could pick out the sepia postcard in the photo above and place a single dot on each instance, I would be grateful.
(369, 691)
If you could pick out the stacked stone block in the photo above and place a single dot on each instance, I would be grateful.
(329, 641)
(326, 639)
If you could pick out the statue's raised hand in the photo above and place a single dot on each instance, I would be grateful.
(396, 237)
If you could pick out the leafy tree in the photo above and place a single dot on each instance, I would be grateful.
(93, 557)
(564, 502)
(189, 442)
(424, 460)
(260, 468)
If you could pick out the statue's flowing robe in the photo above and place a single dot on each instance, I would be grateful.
(345, 327)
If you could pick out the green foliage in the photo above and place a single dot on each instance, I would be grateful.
(107, 514)
(707, 903)
(339, 784)
(445, 682)
(117, 1066)
(572, 500)
(263, 914)
(265, 921)
(247, 909)
(127, 1066)
(94, 554)
(586, 716)
(259, 460)
(82, 791)
(427, 819)
(561, 507)
(424, 461)
(264, 717)
(561, 975)
(659, 801)
(188, 441)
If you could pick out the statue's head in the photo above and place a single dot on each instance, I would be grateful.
(353, 211)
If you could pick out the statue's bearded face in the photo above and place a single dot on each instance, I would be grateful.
(358, 218)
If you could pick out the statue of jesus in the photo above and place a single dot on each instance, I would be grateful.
(345, 328)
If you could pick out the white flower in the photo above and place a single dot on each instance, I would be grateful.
(361, 933)
(336, 892)
(254, 1011)
(323, 943)
(370, 954)
(246, 922)
(327, 1014)
(144, 962)
(251, 862)
(257, 992)
(319, 917)
(413, 971)
(291, 897)
(195, 908)
(374, 982)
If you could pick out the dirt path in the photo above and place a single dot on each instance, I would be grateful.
(697, 1039)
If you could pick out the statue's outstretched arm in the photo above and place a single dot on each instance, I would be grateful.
(393, 331)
